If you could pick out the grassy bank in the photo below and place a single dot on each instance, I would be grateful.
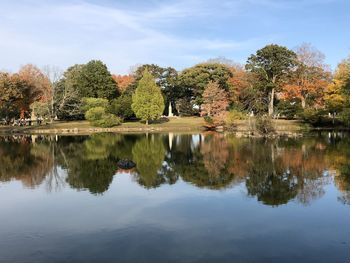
(84, 127)
(279, 125)
(175, 124)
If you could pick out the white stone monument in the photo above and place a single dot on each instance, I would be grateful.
(170, 111)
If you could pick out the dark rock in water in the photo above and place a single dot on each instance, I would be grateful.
(126, 164)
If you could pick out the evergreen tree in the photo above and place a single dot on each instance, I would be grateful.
(96, 81)
(147, 101)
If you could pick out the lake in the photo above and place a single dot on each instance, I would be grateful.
(175, 198)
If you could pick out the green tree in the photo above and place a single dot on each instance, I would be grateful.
(147, 101)
(193, 81)
(272, 64)
(166, 79)
(121, 106)
(96, 81)
(79, 81)
(67, 98)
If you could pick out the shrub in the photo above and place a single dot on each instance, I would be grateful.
(108, 120)
(99, 117)
(316, 117)
(95, 113)
(264, 125)
(89, 103)
(232, 116)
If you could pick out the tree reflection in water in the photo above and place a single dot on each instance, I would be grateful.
(28, 159)
(273, 171)
(148, 153)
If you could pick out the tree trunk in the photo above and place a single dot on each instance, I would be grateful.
(272, 97)
(52, 110)
(303, 102)
(146, 122)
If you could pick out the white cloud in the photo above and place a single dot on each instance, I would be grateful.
(63, 33)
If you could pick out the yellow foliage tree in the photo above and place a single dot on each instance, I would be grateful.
(335, 96)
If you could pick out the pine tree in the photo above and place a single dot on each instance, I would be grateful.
(147, 101)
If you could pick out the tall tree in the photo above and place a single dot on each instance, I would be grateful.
(194, 80)
(96, 81)
(310, 79)
(40, 84)
(53, 74)
(79, 81)
(165, 78)
(68, 100)
(272, 64)
(215, 100)
(147, 101)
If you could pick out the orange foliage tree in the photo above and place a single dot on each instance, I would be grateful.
(40, 88)
(215, 100)
(14, 95)
(309, 79)
(239, 82)
(123, 81)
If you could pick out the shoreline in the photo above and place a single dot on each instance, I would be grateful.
(190, 124)
(83, 131)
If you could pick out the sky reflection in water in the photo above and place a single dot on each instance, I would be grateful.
(191, 198)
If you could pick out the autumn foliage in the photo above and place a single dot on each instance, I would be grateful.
(123, 81)
(309, 79)
(215, 100)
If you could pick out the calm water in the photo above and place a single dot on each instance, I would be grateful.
(190, 198)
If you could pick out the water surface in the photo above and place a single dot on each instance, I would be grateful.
(190, 198)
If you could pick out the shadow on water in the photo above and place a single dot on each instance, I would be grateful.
(272, 171)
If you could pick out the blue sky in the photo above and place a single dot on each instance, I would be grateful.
(180, 33)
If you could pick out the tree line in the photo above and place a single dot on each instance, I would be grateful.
(275, 81)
